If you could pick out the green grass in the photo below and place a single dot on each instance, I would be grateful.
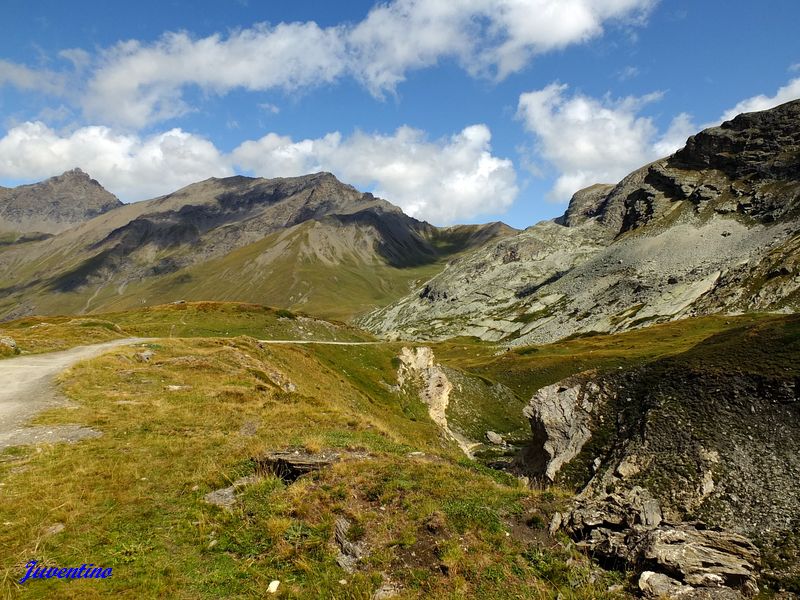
(526, 369)
(306, 268)
(132, 499)
(191, 319)
(437, 524)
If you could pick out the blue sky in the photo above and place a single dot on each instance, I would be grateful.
(458, 111)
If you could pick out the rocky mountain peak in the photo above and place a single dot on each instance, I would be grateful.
(55, 204)
(712, 228)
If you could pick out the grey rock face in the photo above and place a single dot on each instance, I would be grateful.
(627, 528)
(350, 553)
(703, 558)
(54, 205)
(561, 423)
(713, 228)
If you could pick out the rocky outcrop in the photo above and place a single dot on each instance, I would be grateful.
(686, 467)
(561, 417)
(627, 529)
(290, 465)
(585, 205)
(713, 228)
(54, 205)
(350, 552)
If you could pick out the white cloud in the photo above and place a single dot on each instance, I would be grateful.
(25, 78)
(629, 72)
(590, 140)
(128, 165)
(267, 107)
(136, 84)
(676, 135)
(443, 181)
(790, 91)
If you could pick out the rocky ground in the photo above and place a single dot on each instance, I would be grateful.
(687, 468)
(713, 228)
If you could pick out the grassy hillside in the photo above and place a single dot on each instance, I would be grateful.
(191, 319)
(212, 400)
(336, 267)
(193, 419)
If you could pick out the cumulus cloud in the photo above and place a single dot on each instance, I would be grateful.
(128, 165)
(487, 37)
(590, 140)
(442, 181)
(790, 91)
(676, 135)
(136, 84)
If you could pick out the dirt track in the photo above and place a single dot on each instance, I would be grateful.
(26, 388)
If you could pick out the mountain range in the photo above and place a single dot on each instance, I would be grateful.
(713, 228)
(678, 435)
(310, 243)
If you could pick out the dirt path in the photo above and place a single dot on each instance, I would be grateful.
(26, 388)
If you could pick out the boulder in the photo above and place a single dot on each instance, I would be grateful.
(561, 417)
(627, 527)
(658, 585)
(8, 345)
(144, 356)
(495, 438)
(704, 558)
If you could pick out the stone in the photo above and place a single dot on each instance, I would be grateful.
(495, 438)
(388, 589)
(350, 553)
(144, 356)
(8, 342)
(54, 529)
(290, 465)
(704, 558)
(658, 585)
(272, 588)
(226, 497)
(561, 423)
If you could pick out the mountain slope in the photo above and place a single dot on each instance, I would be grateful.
(54, 205)
(307, 242)
(713, 228)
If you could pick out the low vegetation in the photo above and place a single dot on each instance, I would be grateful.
(191, 420)
(212, 398)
